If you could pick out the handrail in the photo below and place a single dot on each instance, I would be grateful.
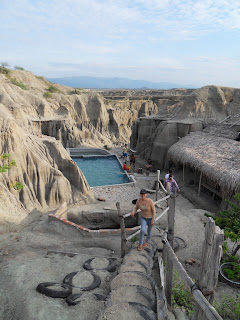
(207, 308)
(156, 202)
(135, 233)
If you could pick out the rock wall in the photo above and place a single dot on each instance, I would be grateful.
(153, 137)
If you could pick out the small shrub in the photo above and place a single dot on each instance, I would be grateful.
(233, 271)
(106, 147)
(8, 165)
(135, 238)
(228, 308)
(53, 89)
(16, 185)
(47, 95)
(4, 70)
(181, 297)
(18, 83)
(5, 167)
(18, 68)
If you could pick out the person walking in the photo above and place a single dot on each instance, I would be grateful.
(148, 212)
(173, 184)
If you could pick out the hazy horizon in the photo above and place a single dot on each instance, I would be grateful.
(191, 43)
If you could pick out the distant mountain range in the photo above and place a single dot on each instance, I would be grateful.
(112, 83)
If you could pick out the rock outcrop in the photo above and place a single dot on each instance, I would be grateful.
(38, 120)
(178, 115)
(45, 169)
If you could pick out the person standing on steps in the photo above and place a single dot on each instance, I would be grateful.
(147, 218)
(148, 167)
(173, 184)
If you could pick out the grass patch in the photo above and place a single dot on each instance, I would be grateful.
(18, 83)
(135, 238)
(53, 89)
(228, 308)
(47, 95)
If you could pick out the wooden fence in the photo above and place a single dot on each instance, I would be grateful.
(203, 293)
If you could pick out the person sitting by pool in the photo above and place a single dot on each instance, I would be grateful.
(125, 167)
(147, 218)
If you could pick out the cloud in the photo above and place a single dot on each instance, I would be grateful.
(186, 19)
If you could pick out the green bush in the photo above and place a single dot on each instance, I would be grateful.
(16, 185)
(53, 89)
(228, 308)
(229, 221)
(4, 70)
(181, 296)
(18, 83)
(47, 95)
(5, 167)
(18, 68)
(135, 238)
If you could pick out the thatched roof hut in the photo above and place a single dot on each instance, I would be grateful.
(216, 157)
(221, 130)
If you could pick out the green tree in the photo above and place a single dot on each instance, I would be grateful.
(4, 64)
(229, 221)
(18, 68)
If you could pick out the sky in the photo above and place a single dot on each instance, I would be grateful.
(188, 42)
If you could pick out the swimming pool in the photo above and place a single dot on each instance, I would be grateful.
(102, 170)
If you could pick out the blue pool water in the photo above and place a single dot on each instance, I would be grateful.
(102, 171)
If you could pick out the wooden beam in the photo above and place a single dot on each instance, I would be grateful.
(170, 237)
(162, 312)
(123, 231)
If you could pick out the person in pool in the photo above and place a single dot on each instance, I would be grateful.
(147, 218)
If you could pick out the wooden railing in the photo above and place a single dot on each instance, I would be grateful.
(203, 292)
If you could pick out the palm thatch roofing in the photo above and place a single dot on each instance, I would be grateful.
(221, 130)
(216, 157)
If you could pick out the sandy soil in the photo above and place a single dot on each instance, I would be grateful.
(25, 261)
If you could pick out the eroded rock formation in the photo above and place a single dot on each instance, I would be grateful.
(178, 115)
(38, 120)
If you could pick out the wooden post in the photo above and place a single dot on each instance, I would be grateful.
(170, 238)
(123, 231)
(211, 255)
(162, 313)
(157, 183)
(199, 186)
